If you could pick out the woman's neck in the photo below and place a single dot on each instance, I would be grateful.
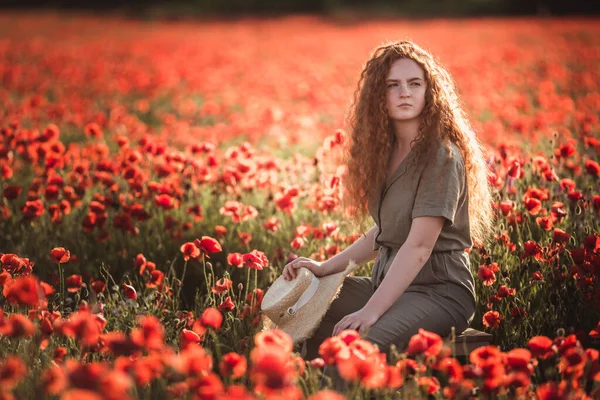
(406, 132)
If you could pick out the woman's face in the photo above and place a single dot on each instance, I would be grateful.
(405, 93)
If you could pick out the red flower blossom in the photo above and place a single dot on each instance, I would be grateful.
(33, 209)
(12, 370)
(233, 365)
(560, 236)
(130, 292)
(221, 286)
(271, 369)
(24, 290)
(592, 167)
(165, 201)
(227, 304)
(545, 223)
(189, 250)
(532, 249)
(17, 325)
(492, 319)
(595, 333)
(533, 205)
(541, 347)
(487, 275)
(211, 317)
(74, 283)
(59, 255)
(255, 260)
(98, 286)
(11, 192)
(93, 130)
(235, 259)
(425, 342)
(274, 338)
(208, 245)
(156, 279)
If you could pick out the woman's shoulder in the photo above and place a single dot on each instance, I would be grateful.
(448, 154)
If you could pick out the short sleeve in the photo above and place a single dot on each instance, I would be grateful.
(440, 186)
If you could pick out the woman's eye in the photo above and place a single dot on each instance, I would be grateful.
(392, 85)
(415, 84)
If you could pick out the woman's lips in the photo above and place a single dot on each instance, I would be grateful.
(404, 105)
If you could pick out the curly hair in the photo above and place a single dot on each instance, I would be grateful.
(372, 138)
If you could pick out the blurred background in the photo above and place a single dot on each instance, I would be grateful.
(334, 8)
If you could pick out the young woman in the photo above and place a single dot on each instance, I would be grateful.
(416, 167)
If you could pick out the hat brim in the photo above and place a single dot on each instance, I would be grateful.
(308, 318)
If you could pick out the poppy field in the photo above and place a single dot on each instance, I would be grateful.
(156, 176)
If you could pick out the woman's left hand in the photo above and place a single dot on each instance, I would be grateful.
(359, 320)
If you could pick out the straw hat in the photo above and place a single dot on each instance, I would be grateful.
(298, 306)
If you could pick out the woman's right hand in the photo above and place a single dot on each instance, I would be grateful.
(290, 271)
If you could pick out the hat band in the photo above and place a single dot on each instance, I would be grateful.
(306, 296)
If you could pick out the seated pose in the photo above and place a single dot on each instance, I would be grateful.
(416, 167)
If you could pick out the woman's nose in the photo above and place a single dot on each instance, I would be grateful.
(403, 91)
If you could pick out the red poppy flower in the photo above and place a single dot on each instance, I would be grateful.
(98, 286)
(211, 317)
(487, 276)
(532, 249)
(425, 342)
(533, 205)
(271, 369)
(189, 250)
(17, 325)
(332, 349)
(519, 360)
(492, 319)
(541, 347)
(208, 386)
(222, 285)
(156, 279)
(592, 167)
(271, 224)
(12, 370)
(33, 209)
(274, 338)
(165, 201)
(74, 283)
(506, 207)
(595, 333)
(130, 292)
(560, 236)
(59, 255)
(349, 335)
(545, 223)
(430, 384)
(451, 367)
(24, 290)
(226, 305)
(187, 337)
(297, 243)
(220, 231)
(255, 260)
(93, 130)
(235, 259)
(11, 192)
(208, 245)
(233, 365)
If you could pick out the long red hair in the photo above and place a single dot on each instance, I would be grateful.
(443, 120)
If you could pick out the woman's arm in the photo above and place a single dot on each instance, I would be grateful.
(360, 251)
(407, 263)
(409, 260)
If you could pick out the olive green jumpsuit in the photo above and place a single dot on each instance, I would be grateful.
(442, 295)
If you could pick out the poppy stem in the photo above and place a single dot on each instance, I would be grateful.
(181, 282)
(62, 289)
